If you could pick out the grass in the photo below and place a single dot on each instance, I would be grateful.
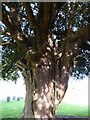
(72, 110)
(13, 109)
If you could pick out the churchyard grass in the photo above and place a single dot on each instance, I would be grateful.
(14, 109)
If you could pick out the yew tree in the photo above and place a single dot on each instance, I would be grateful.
(47, 42)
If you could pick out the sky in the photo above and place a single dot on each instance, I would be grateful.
(77, 92)
(12, 89)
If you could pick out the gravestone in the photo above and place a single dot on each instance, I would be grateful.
(18, 98)
(8, 98)
(14, 97)
(21, 98)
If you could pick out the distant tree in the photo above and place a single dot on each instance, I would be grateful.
(47, 42)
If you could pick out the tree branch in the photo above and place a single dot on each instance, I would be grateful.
(83, 33)
(5, 43)
(21, 65)
(6, 20)
(30, 15)
(77, 39)
(46, 13)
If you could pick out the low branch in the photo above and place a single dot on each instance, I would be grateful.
(21, 65)
(83, 33)
(5, 43)
(80, 35)
(0, 43)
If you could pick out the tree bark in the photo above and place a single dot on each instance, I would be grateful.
(49, 92)
(28, 110)
(44, 89)
(48, 96)
(43, 92)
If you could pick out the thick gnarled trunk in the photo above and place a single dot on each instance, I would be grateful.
(46, 104)
(45, 93)
(44, 90)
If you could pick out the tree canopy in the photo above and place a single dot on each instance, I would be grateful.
(59, 20)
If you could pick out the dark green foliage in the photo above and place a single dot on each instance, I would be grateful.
(82, 61)
(11, 53)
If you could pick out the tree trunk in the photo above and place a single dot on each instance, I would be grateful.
(46, 103)
(48, 96)
(42, 101)
(28, 110)
(44, 91)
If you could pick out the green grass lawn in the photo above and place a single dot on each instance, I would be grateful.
(13, 109)
(72, 110)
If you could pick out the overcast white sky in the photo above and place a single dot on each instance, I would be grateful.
(77, 92)
(12, 89)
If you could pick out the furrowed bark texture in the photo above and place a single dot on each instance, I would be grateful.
(28, 112)
(48, 97)
(46, 89)
(45, 93)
